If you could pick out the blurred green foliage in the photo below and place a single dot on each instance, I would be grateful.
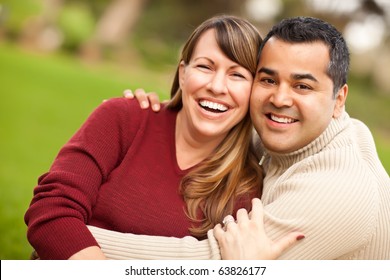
(77, 24)
(14, 14)
(160, 32)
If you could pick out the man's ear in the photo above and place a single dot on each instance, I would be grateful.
(182, 69)
(339, 106)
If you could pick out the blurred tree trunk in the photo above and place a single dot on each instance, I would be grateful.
(113, 27)
(117, 21)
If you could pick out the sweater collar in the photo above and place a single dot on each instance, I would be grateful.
(285, 160)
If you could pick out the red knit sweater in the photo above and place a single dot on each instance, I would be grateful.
(118, 172)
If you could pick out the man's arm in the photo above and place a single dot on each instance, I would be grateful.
(336, 211)
(117, 245)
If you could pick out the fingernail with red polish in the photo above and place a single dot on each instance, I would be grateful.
(299, 237)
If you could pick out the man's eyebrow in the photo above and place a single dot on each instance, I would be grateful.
(303, 77)
(297, 76)
(267, 71)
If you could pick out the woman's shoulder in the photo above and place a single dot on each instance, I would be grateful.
(121, 103)
(129, 112)
(122, 108)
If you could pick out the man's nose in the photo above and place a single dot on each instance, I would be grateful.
(281, 97)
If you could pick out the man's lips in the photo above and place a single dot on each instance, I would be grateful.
(280, 119)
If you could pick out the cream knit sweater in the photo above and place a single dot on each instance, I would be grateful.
(335, 190)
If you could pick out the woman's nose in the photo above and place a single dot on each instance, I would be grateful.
(218, 83)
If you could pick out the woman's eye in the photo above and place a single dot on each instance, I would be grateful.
(203, 66)
(238, 75)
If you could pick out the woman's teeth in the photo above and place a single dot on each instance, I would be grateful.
(213, 106)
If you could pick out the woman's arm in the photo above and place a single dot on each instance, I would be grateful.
(90, 253)
(64, 198)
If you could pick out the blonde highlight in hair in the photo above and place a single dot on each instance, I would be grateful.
(230, 173)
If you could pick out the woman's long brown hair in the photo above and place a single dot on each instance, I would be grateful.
(230, 173)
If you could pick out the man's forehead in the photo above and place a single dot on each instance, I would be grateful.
(316, 52)
(319, 45)
(295, 61)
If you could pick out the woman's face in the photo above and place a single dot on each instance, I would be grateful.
(215, 90)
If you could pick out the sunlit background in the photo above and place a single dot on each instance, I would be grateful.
(60, 59)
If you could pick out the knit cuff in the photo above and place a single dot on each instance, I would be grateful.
(122, 246)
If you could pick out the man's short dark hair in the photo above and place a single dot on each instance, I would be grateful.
(309, 30)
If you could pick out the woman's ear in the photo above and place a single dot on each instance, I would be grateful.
(339, 106)
(182, 69)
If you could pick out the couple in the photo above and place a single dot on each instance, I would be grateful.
(181, 171)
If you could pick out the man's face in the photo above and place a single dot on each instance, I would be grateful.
(291, 102)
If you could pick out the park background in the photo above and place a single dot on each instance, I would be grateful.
(60, 59)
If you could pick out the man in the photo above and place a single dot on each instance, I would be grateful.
(323, 175)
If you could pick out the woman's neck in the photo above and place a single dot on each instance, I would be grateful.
(191, 146)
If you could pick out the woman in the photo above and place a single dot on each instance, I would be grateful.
(175, 173)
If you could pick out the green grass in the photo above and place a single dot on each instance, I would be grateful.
(44, 99)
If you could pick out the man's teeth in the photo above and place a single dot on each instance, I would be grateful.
(281, 120)
(213, 105)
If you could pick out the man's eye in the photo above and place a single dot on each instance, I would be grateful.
(268, 81)
(303, 86)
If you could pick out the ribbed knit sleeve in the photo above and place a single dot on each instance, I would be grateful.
(121, 246)
(64, 198)
(335, 210)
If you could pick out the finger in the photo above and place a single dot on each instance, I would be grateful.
(229, 219)
(154, 100)
(128, 94)
(287, 242)
(257, 213)
(242, 215)
(142, 98)
(218, 232)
